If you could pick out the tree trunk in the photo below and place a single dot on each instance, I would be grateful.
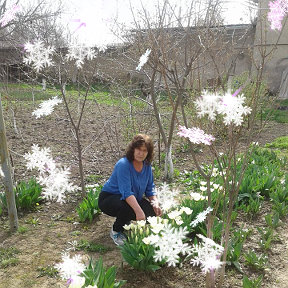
(168, 169)
(8, 182)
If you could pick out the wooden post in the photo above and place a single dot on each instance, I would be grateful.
(6, 168)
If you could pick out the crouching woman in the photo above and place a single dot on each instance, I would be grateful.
(122, 196)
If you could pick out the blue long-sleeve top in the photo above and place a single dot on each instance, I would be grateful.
(125, 180)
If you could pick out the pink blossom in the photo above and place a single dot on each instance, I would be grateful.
(9, 15)
(195, 135)
(277, 11)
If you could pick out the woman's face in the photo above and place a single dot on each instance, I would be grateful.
(140, 153)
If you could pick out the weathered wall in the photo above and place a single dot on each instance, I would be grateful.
(265, 40)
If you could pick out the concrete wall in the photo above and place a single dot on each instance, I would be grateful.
(265, 42)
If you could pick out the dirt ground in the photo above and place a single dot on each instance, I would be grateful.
(55, 225)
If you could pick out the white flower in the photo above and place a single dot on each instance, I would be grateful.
(208, 254)
(228, 105)
(56, 184)
(72, 245)
(40, 159)
(143, 59)
(141, 223)
(201, 217)
(77, 282)
(216, 186)
(38, 55)
(54, 179)
(170, 245)
(79, 53)
(70, 267)
(187, 210)
(197, 196)
(9, 15)
(207, 104)
(151, 239)
(156, 228)
(174, 214)
(232, 108)
(203, 188)
(166, 197)
(46, 107)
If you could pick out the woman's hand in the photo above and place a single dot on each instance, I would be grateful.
(140, 215)
(157, 210)
(155, 204)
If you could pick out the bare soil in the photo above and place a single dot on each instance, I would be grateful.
(104, 140)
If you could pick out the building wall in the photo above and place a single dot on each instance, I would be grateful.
(265, 42)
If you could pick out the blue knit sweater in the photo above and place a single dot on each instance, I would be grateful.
(125, 180)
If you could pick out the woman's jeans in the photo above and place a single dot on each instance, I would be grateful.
(111, 205)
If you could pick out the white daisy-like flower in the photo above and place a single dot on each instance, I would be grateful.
(208, 254)
(55, 179)
(79, 53)
(207, 104)
(70, 268)
(46, 107)
(201, 217)
(143, 59)
(166, 197)
(56, 184)
(38, 55)
(170, 244)
(232, 108)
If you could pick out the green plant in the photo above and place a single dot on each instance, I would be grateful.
(88, 208)
(254, 261)
(33, 221)
(91, 246)
(262, 174)
(253, 207)
(28, 195)
(267, 237)
(48, 270)
(280, 142)
(8, 257)
(254, 283)
(273, 220)
(95, 274)
(22, 229)
(136, 253)
(156, 171)
(235, 247)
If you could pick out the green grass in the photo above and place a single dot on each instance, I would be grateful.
(275, 114)
(279, 143)
(8, 257)
(90, 246)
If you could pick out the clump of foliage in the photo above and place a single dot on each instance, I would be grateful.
(138, 254)
(95, 274)
(280, 143)
(88, 208)
(49, 271)
(27, 196)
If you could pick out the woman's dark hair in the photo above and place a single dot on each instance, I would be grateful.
(138, 141)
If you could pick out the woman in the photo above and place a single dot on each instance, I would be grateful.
(131, 179)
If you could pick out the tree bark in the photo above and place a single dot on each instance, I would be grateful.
(8, 182)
